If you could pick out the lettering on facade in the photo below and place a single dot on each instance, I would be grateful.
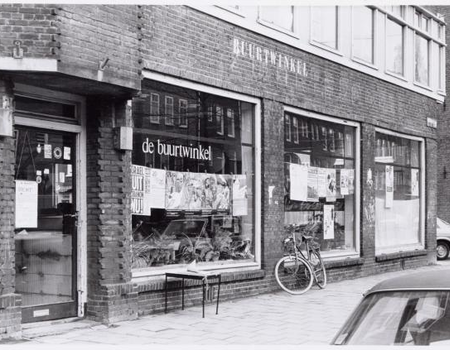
(266, 56)
(199, 152)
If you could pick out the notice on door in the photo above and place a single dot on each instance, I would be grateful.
(26, 204)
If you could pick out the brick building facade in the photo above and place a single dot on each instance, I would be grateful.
(251, 108)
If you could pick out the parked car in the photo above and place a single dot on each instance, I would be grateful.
(443, 239)
(413, 309)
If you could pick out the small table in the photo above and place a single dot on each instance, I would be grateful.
(194, 276)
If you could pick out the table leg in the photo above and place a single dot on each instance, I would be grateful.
(182, 294)
(204, 294)
(218, 295)
(165, 288)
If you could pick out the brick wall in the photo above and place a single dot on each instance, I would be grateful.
(10, 312)
(110, 295)
(33, 25)
(88, 34)
(443, 151)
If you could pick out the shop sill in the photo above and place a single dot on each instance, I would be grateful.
(333, 264)
(158, 284)
(400, 255)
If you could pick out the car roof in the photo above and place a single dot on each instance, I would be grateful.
(425, 280)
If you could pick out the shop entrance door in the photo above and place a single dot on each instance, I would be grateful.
(46, 223)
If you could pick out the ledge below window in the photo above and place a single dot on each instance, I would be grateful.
(400, 255)
(333, 264)
(156, 285)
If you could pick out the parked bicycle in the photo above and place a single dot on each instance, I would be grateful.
(302, 264)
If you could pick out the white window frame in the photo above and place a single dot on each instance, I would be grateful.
(387, 71)
(357, 160)
(295, 129)
(183, 113)
(373, 63)
(155, 118)
(428, 46)
(287, 133)
(219, 120)
(168, 110)
(230, 123)
(422, 191)
(337, 49)
(156, 273)
(276, 27)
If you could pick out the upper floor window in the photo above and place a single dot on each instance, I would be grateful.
(324, 25)
(168, 110)
(154, 108)
(363, 34)
(394, 47)
(421, 60)
(279, 16)
(183, 110)
(396, 10)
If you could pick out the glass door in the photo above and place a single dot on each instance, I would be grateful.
(45, 223)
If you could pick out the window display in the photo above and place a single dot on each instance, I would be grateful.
(192, 186)
(397, 182)
(320, 181)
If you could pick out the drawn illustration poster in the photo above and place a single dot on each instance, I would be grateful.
(26, 204)
(157, 184)
(389, 186)
(175, 187)
(299, 182)
(322, 182)
(313, 189)
(328, 221)
(331, 184)
(239, 195)
(344, 182)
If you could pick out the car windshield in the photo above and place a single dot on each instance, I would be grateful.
(399, 318)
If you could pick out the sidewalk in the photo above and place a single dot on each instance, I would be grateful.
(269, 319)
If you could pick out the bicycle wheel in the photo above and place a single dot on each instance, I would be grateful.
(316, 262)
(294, 275)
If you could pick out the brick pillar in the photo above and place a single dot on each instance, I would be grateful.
(431, 194)
(110, 297)
(273, 180)
(367, 236)
(10, 311)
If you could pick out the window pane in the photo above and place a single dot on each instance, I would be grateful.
(363, 33)
(319, 182)
(324, 26)
(394, 47)
(421, 60)
(192, 187)
(281, 16)
(398, 192)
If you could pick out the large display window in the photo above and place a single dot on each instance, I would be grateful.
(398, 182)
(193, 189)
(321, 180)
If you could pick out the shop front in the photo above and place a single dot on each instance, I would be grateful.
(49, 210)
(195, 194)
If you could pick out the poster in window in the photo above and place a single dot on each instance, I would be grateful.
(175, 187)
(140, 191)
(239, 195)
(328, 221)
(157, 189)
(223, 199)
(389, 186)
(347, 181)
(331, 184)
(313, 187)
(26, 204)
(322, 182)
(299, 182)
(415, 182)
